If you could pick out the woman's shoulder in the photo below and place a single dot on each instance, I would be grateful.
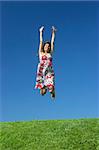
(41, 53)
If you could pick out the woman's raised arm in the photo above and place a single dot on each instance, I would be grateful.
(41, 38)
(53, 38)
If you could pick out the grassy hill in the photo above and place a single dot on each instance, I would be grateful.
(81, 134)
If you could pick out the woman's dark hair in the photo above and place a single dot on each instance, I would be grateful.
(47, 42)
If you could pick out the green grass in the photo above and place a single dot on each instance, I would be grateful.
(81, 134)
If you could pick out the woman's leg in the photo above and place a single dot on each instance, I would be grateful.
(50, 83)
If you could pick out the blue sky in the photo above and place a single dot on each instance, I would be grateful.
(75, 60)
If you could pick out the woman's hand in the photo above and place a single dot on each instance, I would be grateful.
(41, 29)
(54, 29)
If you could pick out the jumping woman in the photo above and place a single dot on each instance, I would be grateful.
(45, 74)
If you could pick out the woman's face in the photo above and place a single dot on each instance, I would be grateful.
(46, 47)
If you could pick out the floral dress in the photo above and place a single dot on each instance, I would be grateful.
(45, 72)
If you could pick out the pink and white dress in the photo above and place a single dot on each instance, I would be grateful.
(45, 72)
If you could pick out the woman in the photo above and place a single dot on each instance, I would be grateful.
(45, 73)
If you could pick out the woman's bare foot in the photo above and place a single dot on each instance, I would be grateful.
(53, 94)
(43, 90)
